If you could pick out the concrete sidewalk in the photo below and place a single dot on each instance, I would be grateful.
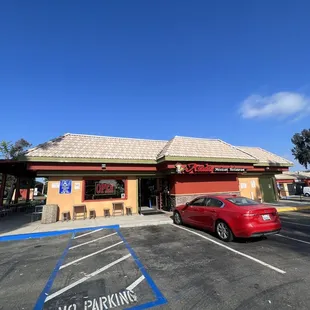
(22, 225)
(287, 206)
(291, 208)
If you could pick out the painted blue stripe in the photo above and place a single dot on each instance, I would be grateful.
(53, 233)
(160, 299)
(40, 302)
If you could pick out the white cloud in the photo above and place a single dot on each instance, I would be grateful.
(281, 105)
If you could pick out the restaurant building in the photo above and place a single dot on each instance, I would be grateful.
(149, 174)
(292, 183)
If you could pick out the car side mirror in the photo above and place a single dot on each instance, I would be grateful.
(187, 204)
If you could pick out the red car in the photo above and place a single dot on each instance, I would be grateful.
(229, 216)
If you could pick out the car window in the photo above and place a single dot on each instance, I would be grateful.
(198, 202)
(243, 201)
(212, 202)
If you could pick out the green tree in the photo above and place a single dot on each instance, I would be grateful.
(9, 150)
(301, 150)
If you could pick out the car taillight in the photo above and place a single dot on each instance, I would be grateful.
(249, 215)
(275, 213)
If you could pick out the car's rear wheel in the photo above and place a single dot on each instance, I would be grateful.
(177, 218)
(307, 194)
(224, 232)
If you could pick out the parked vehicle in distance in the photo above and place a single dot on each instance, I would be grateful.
(306, 191)
(229, 216)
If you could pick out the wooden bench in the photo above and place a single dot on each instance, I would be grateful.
(118, 208)
(79, 214)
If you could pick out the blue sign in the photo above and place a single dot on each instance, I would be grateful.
(65, 187)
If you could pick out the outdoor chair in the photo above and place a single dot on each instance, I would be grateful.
(106, 212)
(92, 214)
(128, 211)
(65, 216)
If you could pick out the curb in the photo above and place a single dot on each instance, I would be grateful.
(162, 222)
(289, 209)
(52, 233)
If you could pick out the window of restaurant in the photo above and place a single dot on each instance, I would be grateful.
(101, 189)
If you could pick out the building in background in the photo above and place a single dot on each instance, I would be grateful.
(292, 183)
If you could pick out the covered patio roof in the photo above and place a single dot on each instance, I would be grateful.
(16, 168)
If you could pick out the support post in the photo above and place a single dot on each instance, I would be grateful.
(28, 190)
(2, 188)
(17, 188)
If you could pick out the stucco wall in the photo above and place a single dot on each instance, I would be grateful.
(249, 187)
(204, 183)
(66, 201)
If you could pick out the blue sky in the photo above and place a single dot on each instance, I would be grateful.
(235, 70)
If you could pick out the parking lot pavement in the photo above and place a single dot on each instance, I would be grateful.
(198, 273)
(24, 269)
(167, 266)
(99, 271)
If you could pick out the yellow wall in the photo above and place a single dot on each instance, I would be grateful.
(66, 201)
(249, 187)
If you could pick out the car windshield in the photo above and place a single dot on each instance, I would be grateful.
(242, 201)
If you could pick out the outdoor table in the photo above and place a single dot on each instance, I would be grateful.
(79, 214)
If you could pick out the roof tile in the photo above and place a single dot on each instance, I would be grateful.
(264, 156)
(101, 147)
(202, 148)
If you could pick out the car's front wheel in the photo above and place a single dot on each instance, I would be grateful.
(177, 218)
(224, 232)
(307, 195)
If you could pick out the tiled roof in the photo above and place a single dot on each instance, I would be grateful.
(79, 147)
(202, 148)
(264, 156)
(285, 177)
(101, 147)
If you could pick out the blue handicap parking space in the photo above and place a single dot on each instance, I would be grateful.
(99, 270)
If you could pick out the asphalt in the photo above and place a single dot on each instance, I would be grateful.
(166, 267)
(25, 267)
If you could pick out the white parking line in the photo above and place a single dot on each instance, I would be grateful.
(90, 255)
(91, 232)
(87, 277)
(91, 241)
(235, 251)
(289, 222)
(302, 241)
(134, 284)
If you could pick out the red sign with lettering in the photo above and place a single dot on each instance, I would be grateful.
(104, 188)
(205, 168)
(196, 168)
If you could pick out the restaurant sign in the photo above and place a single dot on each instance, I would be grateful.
(206, 168)
(104, 188)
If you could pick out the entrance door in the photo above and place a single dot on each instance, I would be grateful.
(267, 188)
(148, 199)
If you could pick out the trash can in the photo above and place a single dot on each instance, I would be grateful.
(49, 214)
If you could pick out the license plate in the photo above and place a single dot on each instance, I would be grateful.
(266, 217)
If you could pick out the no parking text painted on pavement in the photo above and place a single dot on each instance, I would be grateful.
(98, 270)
